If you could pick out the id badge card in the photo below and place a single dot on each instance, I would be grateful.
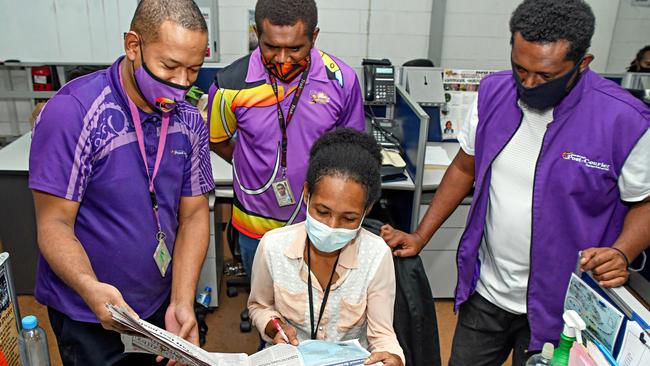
(161, 255)
(283, 193)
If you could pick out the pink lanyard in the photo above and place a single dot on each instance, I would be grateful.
(135, 115)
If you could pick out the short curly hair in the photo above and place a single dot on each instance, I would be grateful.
(348, 154)
(547, 21)
(287, 12)
(150, 14)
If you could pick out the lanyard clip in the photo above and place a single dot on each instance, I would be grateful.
(154, 200)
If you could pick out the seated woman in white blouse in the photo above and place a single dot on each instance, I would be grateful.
(351, 290)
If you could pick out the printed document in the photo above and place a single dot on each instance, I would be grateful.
(145, 337)
(603, 319)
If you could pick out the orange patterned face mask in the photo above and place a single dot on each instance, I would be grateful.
(286, 71)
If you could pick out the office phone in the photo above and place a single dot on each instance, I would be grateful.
(379, 81)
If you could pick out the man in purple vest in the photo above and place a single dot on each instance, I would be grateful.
(119, 167)
(558, 158)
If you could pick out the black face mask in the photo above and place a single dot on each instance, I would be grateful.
(549, 94)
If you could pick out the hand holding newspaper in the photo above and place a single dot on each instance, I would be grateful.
(145, 337)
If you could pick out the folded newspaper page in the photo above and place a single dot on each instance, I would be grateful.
(146, 337)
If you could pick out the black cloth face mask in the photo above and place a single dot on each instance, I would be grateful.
(549, 94)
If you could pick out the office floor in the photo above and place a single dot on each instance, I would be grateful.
(223, 325)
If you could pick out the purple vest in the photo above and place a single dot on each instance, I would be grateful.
(576, 201)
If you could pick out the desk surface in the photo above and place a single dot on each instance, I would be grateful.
(15, 157)
(222, 174)
(433, 175)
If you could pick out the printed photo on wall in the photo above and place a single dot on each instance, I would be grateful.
(461, 87)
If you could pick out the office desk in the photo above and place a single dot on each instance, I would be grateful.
(222, 174)
(17, 220)
(439, 255)
(433, 175)
(18, 225)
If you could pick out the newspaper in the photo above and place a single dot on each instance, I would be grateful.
(461, 87)
(145, 337)
(9, 350)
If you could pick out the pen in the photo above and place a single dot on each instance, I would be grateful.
(277, 326)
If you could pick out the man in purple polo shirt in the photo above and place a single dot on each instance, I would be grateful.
(558, 157)
(268, 108)
(119, 168)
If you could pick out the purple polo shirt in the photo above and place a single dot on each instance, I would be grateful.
(84, 149)
(242, 102)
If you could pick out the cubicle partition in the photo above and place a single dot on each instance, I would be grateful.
(410, 126)
(17, 219)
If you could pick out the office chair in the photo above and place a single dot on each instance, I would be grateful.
(419, 62)
(242, 281)
(414, 319)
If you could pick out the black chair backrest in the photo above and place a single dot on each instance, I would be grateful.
(232, 237)
(420, 62)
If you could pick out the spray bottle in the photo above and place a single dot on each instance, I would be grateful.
(573, 327)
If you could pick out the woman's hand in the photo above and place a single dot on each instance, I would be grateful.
(385, 358)
(277, 336)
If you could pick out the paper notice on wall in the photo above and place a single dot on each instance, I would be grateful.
(252, 35)
(209, 51)
(461, 87)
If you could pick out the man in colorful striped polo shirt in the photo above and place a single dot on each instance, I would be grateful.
(269, 107)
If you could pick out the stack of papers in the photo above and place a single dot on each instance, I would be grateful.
(436, 156)
(145, 337)
(392, 157)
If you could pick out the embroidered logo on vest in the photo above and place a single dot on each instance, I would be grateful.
(585, 161)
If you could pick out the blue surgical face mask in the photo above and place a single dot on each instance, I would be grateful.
(327, 239)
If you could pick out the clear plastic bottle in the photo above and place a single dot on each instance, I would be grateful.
(543, 358)
(205, 297)
(35, 342)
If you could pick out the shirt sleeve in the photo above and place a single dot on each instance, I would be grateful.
(221, 115)
(467, 133)
(197, 175)
(381, 304)
(634, 181)
(61, 155)
(261, 301)
(353, 116)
